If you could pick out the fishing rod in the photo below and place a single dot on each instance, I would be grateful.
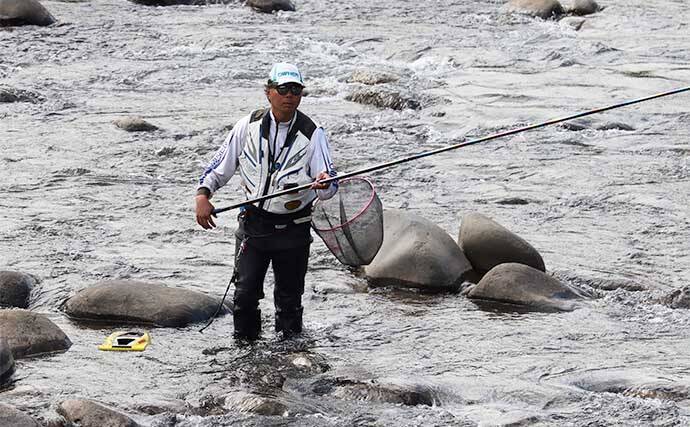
(452, 147)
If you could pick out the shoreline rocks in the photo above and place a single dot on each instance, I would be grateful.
(520, 284)
(140, 302)
(15, 289)
(31, 334)
(417, 253)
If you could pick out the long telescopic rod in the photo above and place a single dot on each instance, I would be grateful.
(453, 147)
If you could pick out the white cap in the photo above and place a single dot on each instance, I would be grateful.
(283, 72)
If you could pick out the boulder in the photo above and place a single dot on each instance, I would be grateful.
(379, 390)
(169, 2)
(268, 6)
(134, 124)
(680, 298)
(417, 253)
(10, 94)
(488, 244)
(383, 98)
(10, 416)
(245, 402)
(15, 289)
(584, 7)
(6, 362)
(86, 413)
(30, 334)
(523, 285)
(545, 9)
(370, 77)
(24, 12)
(140, 302)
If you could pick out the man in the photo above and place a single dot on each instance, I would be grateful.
(273, 149)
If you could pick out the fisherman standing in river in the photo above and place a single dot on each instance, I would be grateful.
(273, 149)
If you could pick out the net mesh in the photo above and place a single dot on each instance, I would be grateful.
(351, 222)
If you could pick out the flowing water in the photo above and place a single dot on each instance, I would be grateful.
(82, 201)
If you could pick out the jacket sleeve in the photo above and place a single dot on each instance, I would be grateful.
(225, 162)
(321, 161)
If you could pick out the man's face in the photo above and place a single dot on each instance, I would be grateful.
(285, 99)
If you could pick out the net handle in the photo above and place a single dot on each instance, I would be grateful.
(360, 212)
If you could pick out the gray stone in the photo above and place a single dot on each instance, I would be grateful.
(11, 417)
(584, 7)
(134, 124)
(6, 361)
(523, 285)
(381, 391)
(9, 94)
(15, 289)
(545, 9)
(416, 253)
(268, 6)
(140, 303)
(371, 77)
(680, 298)
(31, 334)
(24, 12)
(86, 413)
(487, 244)
(255, 404)
(169, 2)
(383, 98)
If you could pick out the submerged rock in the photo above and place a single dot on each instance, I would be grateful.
(374, 391)
(545, 9)
(520, 284)
(371, 77)
(86, 413)
(15, 289)
(140, 302)
(680, 298)
(584, 7)
(9, 94)
(134, 124)
(31, 334)
(169, 2)
(268, 6)
(416, 253)
(24, 12)
(255, 404)
(383, 98)
(6, 362)
(487, 244)
(11, 417)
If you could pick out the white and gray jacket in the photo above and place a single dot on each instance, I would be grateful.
(272, 158)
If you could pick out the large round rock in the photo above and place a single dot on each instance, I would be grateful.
(31, 334)
(86, 413)
(416, 253)
(10, 416)
(544, 9)
(24, 12)
(6, 362)
(140, 302)
(487, 244)
(268, 6)
(520, 284)
(15, 289)
(584, 7)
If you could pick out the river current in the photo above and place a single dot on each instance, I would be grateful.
(609, 209)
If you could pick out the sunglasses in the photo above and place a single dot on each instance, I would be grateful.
(293, 89)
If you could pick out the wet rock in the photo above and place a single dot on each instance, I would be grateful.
(134, 124)
(86, 413)
(6, 362)
(680, 298)
(169, 2)
(140, 302)
(9, 94)
(374, 391)
(255, 404)
(487, 244)
(31, 334)
(630, 383)
(520, 284)
(15, 289)
(586, 123)
(573, 23)
(545, 9)
(24, 12)
(383, 98)
(584, 7)
(10, 416)
(416, 253)
(371, 77)
(268, 6)
(614, 126)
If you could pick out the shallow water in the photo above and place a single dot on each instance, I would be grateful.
(83, 201)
